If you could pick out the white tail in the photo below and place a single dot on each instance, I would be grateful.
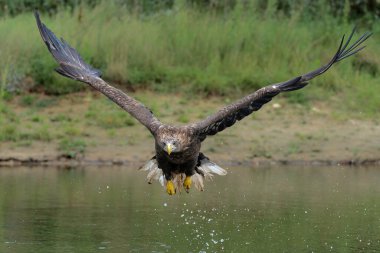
(206, 167)
(154, 173)
(209, 168)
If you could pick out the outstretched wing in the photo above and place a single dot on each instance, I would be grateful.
(227, 116)
(73, 66)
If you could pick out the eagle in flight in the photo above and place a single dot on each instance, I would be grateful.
(178, 161)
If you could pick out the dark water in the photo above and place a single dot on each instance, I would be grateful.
(250, 210)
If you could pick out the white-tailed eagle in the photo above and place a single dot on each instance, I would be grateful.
(178, 161)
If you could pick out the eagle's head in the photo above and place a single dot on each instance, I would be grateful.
(171, 145)
(173, 139)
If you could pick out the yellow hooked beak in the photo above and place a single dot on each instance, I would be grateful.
(169, 148)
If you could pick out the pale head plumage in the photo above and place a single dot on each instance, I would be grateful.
(173, 139)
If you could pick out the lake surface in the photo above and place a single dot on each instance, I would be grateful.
(113, 209)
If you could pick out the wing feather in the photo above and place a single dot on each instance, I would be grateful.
(72, 65)
(230, 114)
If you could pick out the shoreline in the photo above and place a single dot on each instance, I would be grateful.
(63, 161)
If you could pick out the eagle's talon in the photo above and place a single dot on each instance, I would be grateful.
(170, 189)
(187, 183)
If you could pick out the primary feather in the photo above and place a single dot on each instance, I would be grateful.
(70, 62)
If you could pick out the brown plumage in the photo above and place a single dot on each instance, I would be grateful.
(178, 159)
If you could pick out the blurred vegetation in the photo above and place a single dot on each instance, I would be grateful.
(355, 8)
(105, 114)
(72, 147)
(197, 47)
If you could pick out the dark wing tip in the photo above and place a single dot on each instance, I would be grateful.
(39, 25)
(71, 63)
(345, 52)
(342, 53)
(37, 15)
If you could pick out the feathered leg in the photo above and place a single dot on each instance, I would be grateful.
(189, 172)
(170, 188)
(155, 172)
(187, 183)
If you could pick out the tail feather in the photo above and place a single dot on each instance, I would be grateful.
(198, 181)
(209, 168)
(154, 173)
(149, 165)
(178, 180)
(162, 180)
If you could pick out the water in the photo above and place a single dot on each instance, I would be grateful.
(112, 209)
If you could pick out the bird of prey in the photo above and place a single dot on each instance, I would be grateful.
(178, 161)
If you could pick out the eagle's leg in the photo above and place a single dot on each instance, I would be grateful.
(167, 169)
(189, 169)
(170, 188)
(187, 183)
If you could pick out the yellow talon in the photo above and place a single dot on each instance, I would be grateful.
(187, 183)
(170, 189)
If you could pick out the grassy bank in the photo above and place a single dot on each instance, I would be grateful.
(193, 51)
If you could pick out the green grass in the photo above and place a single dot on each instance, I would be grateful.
(195, 52)
(27, 100)
(105, 114)
(11, 132)
(72, 147)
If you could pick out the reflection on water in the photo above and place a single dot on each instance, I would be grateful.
(112, 209)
